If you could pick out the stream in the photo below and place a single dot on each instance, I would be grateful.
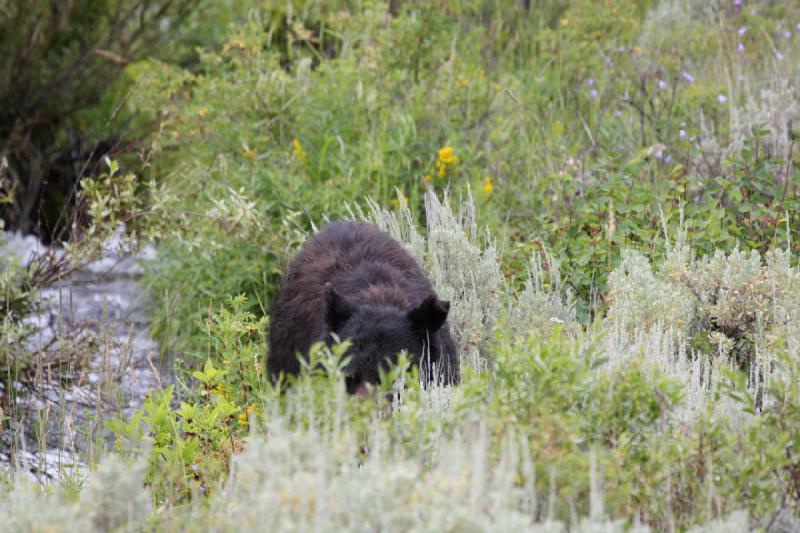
(96, 324)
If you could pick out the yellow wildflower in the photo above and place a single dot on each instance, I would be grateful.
(250, 154)
(244, 417)
(564, 22)
(446, 156)
(488, 186)
(446, 160)
(203, 112)
(299, 151)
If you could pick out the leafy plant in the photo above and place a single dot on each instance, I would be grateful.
(59, 62)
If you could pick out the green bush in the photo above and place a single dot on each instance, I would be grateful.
(551, 433)
(63, 85)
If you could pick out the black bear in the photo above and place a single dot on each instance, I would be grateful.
(356, 281)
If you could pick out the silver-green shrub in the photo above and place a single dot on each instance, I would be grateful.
(115, 498)
(642, 300)
(310, 480)
(543, 303)
(28, 508)
(734, 308)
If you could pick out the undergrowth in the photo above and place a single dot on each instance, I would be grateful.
(606, 194)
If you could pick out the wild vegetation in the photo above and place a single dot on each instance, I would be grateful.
(606, 192)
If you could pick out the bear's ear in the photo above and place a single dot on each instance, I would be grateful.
(430, 314)
(338, 308)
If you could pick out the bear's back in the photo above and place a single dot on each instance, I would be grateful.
(356, 257)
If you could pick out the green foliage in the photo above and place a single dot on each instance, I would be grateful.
(190, 445)
(17, 293)
(628, 323)
(18, 299)
(59, 61)
(771, 443)
(578, 427)
(301, 108)
(550, 418)
(748, 206)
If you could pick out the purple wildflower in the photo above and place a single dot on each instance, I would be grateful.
(778, 55)
(787, 34)
(590, 82)
(659, 154)
(667, 158)
(686, 76)
(682, 134)
(203, 490)
(662, 85)
(594, 93)
(722, 98)
(740, 48)
(617, 113)
(742, 30)
(195, 467)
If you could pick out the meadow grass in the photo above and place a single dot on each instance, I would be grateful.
(606, 193)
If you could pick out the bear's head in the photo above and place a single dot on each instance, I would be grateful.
(379, 332)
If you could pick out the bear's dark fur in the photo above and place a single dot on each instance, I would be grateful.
(355, 280)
